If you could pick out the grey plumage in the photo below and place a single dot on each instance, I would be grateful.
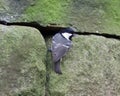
(60, 46)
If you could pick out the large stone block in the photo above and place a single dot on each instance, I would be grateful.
(91, 68)
(22, 68)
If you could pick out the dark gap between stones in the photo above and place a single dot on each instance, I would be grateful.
(47, 32)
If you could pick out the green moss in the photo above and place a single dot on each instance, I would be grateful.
(22, 68)
(3, 6)
(90, 68)
(47, 11)
(112, 17)
(113, 10)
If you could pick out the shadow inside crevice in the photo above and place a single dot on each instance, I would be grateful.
(50, 30)
(46, 31)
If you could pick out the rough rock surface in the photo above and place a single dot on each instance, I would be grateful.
(92, 67)
(11, 10)
(22, 68)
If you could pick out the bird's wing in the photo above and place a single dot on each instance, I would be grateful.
(58, 52)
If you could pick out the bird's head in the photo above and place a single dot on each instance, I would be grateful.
(68, 33)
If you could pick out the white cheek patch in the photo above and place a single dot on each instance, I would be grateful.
(67, 35)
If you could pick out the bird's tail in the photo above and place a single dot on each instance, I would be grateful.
(57, 67)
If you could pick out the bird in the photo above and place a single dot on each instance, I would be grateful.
(61, 43)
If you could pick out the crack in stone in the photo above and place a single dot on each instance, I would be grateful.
(112, 36)
(48, 32)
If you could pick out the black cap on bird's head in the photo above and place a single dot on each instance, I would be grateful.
(68, 30)
(68, 33)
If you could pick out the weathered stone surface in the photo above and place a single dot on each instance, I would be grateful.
(22, 55)
(91, 68)
(92, 16)
(11, 10)
(95, 15)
